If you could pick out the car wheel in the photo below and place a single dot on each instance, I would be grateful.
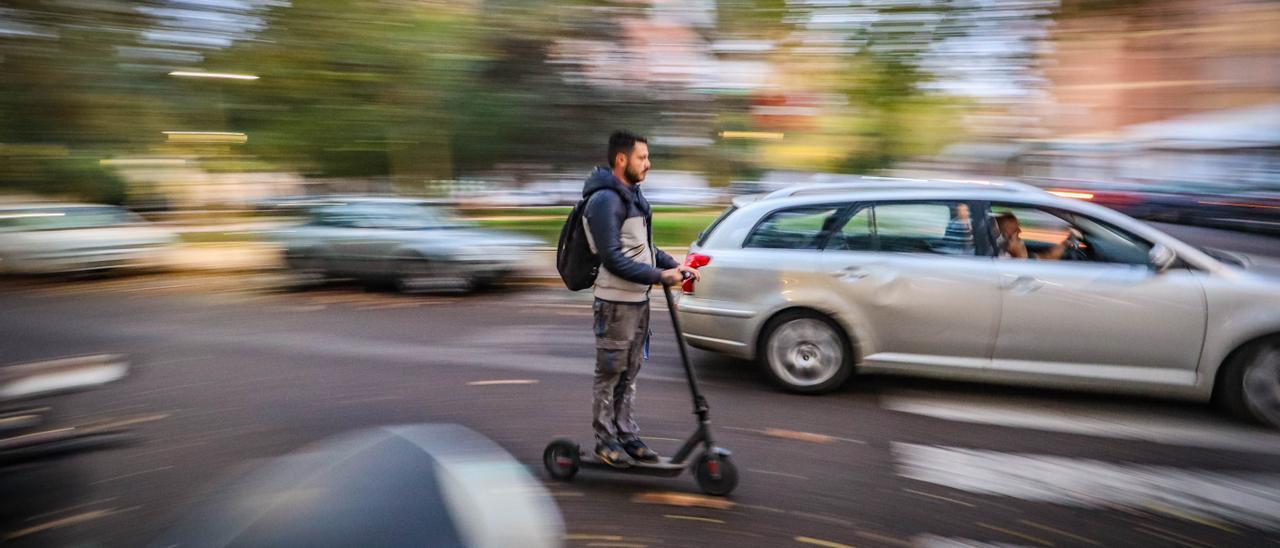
(418, 275)
(306, 272)
(806, 352)
(1251, 388)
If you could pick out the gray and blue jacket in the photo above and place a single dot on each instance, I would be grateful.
(618, 222)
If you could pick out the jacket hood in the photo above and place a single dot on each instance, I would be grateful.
(602, 178)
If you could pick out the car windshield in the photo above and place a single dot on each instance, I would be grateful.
(65, 218)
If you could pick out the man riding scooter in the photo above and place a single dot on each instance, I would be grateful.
(618, 227)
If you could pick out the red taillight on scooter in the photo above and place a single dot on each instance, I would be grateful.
(693, 260)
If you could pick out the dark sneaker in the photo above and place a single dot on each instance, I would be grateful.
(639, 451)
(613, 454)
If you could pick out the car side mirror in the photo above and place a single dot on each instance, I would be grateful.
(1161, 258)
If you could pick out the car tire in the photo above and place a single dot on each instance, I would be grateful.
(805, 352)
(305, 272)
(417, 275)
(1250, 386)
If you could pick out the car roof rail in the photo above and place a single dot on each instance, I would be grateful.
(892, 183)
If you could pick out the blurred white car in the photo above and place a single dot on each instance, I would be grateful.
(67, 238)
(412, 243)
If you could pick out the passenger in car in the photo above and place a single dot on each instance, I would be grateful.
(958, 239)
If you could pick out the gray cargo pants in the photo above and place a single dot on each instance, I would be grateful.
(621, 330)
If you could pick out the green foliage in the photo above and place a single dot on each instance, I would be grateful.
(434, 90)
(71, 177)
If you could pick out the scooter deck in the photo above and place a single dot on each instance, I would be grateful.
(663, 467)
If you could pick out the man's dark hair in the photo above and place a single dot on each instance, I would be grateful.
(623, 141)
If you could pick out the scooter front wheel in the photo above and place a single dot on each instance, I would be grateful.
(562, 458)
(716, 475)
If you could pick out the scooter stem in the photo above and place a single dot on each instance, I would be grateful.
(700, 407)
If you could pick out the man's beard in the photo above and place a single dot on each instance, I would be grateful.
(633, 177)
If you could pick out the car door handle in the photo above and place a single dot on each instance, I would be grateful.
(1022, 284)
(851, 274)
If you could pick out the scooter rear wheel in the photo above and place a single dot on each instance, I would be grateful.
(562, 458)
(718, 476)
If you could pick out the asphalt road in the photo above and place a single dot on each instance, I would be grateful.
(231, 371)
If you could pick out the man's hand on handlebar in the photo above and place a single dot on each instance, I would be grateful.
(678, 274)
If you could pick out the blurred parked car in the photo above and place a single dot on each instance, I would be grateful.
(817, 282)
(69, 238)
(1128, 198)
(1252, 209)
(411, 243)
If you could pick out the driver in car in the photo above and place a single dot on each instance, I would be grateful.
(1010, 243)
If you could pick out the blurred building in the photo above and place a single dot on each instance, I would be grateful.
(1116, 64)
(1181, 93)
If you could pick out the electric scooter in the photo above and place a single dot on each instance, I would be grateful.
(713, 468)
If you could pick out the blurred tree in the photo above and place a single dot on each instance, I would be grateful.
(66, 100)
(353, 88)
(868, 58)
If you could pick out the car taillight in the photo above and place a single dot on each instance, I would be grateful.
(693, 260)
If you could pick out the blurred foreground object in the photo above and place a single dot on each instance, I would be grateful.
(411, 485)
(63, 238)
(33, 479)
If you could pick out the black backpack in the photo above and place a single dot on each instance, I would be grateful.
(577, 265)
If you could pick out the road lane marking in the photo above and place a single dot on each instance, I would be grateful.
(883, 538)
(1022, 536)
(503, 382)
(584, 537)
(302, 308)
(772, 473)
(1130, 424)
(1246, 498)
(822, 518)
(617, 544)
(390, 306)
(799, 436)
(67, 521)
(133, 421)
(1176, 535)
(764, 508)
(1059, 532)
(934, 541)
(69, 508)
(820, 542)
(1166, 537)
(939, 497)
(685, 500)
(126, 476)
(1160, 508)
(795, 435)
(693, 518)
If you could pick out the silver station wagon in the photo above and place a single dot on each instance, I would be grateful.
(993, 282)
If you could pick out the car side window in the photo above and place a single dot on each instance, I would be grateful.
(942, 228)
(858, 233)
(1113, 245)
(797, 228)
(331, 216)
(1027, 232)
